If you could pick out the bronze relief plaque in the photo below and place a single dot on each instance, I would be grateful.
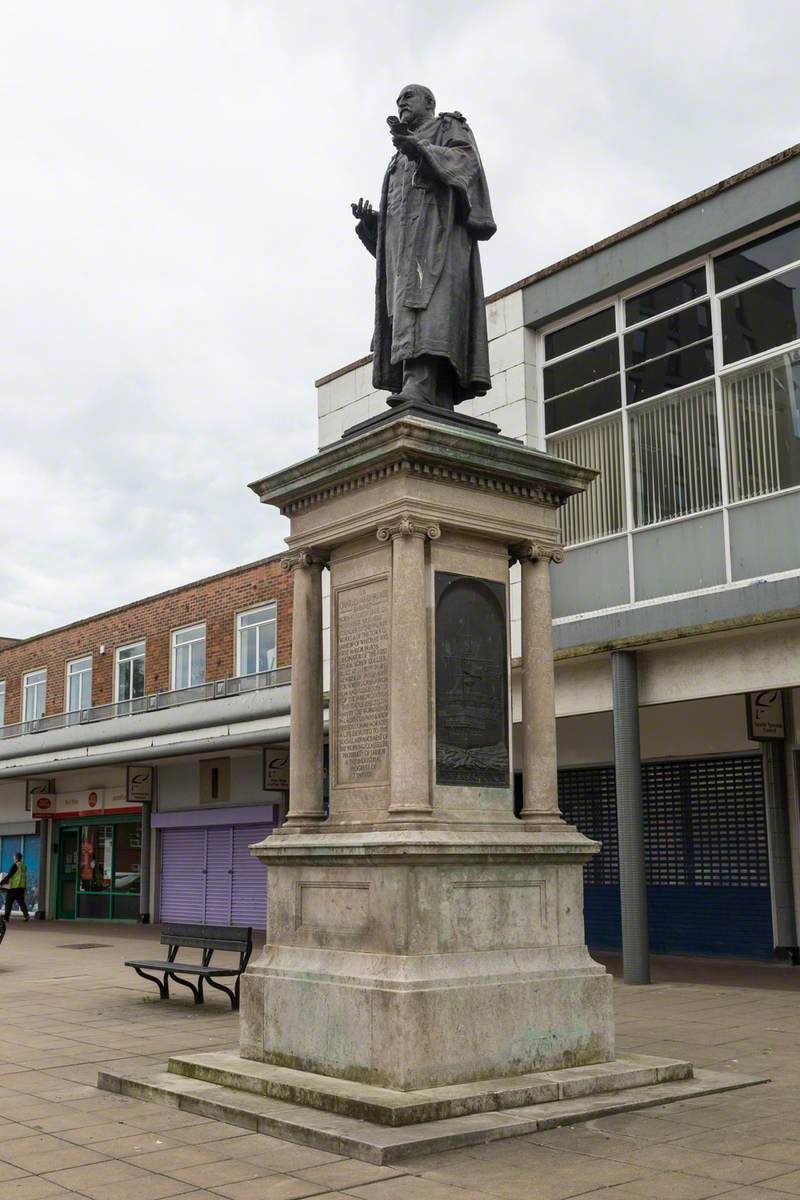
(471, 682)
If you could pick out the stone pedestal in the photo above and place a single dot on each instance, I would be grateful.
(422, 936)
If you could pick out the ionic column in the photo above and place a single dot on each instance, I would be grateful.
(306, 731)
(409, 691)
(539, 771)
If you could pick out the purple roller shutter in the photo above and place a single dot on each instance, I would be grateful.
(249, 903)
(183, 886)
(218, 874)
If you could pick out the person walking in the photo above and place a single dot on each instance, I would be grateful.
(15, 883)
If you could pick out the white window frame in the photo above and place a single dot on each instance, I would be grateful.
(273, 604)
(2, 702)
(721, 369)
(174, 645)
(83, 658)
(26, 685)
(119, 650)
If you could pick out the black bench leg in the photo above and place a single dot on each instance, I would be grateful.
(197, 992)
(163, 986)
(232, 996)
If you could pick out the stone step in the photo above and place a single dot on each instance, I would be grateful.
(382, 1144)
(387, 1106)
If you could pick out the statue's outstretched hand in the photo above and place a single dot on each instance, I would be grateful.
(363, 211)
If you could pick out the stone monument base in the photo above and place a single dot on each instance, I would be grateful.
(356, 984)
(331, 1115)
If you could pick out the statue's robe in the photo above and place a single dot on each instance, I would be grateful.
(429, 289)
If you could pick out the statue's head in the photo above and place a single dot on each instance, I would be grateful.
(415, 104)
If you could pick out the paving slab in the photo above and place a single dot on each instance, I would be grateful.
(93, 1014)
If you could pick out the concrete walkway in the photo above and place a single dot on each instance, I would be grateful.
(67, 1010)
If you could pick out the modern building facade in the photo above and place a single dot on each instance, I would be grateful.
(668, 358)
(142, 752)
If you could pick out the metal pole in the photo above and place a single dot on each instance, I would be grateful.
(144, 867)
(630, 823)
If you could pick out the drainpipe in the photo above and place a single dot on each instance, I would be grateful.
(630, 820)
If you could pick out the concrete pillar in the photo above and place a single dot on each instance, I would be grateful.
(630, 820)
(144, 866)
(45, 870)
(539, 767)
(306, 737)
(408, 669)
(784, 924)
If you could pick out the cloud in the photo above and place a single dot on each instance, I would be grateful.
(178, 256)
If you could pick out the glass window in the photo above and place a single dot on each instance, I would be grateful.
(580, 369)
(582, 405)
(2, 702)
(257, 640)
(189, 657)
(665, 296)
(79, 684)
(600, 510)
(672, 371)
(579, 333)
(758, 257)
(670, 333)
(675, 456)
(96, 858)
(34, 687)
(127, 857)
(762, 427)
(761, 317)
(130, 671)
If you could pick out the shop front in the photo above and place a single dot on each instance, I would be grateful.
(96, 853)
(98, 868)
(207, 873)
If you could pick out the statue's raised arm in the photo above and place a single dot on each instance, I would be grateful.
(430, 344)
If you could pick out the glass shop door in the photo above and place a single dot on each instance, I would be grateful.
(67, 874)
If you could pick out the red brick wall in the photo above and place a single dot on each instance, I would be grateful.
(216, 601)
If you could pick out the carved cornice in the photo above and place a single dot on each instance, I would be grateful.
(475, 480)
(536, 552)
(406, 526)
(303, 559)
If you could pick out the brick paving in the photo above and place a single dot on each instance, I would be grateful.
(66, 1012)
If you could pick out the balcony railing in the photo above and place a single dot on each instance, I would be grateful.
(220, 689)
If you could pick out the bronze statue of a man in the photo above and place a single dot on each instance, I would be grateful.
(430, 344)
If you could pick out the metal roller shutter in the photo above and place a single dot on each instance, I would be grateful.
(219, 872)
(249, 899)
(209, 875)
(183, 881)
(706, 855)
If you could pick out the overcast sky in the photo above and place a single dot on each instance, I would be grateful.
(177, 256)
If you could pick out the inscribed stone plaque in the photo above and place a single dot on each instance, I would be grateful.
(471, 682)
(362, 683)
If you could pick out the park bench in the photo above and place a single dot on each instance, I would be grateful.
(208, 938)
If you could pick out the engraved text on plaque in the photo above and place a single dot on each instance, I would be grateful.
(362, 683)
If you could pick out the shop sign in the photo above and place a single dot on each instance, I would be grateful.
(140, 785)
(765, 715)
(35, 788)
(276, 770)
(54, 804)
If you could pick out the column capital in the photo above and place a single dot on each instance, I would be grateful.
(407, 526)
(535, 552)
(304, 558)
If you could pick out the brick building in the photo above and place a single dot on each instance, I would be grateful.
(151, 718)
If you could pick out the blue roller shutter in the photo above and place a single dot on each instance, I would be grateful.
(706, 855)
